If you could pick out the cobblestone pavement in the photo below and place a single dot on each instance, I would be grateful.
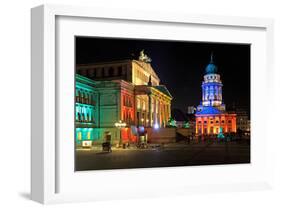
(177, 154)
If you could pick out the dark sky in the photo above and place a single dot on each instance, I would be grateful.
(180, 65)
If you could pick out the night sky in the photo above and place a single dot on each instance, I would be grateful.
(180, 65)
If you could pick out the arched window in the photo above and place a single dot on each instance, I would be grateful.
(93, 73)
(84, 72)
(111, 71)
(103, 72)
(79, 116)
(123, 100)
(82, 97)
(77, 96)
(86, 98)
(89, 98)
(130, 102)
(119, 70)
(93, 100)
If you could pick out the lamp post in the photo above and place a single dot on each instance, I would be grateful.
(120, 125)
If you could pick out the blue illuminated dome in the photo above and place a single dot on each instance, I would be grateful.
(211, 67)
(209, 110)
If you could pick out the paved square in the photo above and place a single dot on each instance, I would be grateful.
(170, 155)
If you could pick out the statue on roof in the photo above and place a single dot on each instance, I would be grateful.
(149, 81)
(143, 57)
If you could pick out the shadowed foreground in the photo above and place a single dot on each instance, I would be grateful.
(170, 155)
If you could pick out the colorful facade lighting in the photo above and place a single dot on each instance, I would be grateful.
(211, 117)
(156, 126)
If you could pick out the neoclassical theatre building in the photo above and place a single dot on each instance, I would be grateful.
(211, 115)
(123, 90)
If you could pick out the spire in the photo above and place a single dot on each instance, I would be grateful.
(212, 58)
(211, 67)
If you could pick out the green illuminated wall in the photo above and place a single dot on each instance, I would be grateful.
(86, 114)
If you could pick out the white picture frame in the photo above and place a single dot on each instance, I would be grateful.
(51, 177)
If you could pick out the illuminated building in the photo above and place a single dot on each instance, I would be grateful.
(126, 90)
(85, 110)
(98, 107)
(191, 109)
(243, 122)
(211, 116)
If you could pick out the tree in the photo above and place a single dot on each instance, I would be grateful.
(186, 124)
(172, 122)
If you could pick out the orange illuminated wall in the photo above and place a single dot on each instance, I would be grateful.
(127, 107)
(210, 124)
(127, 115)
(127, 135)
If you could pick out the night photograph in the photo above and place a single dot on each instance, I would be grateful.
(142, 103)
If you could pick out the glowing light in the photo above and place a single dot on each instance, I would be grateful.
(120, 124)
(141, 129)
(79, 136)
(220, 134)
(89, 135)
(172, 122)
(86, 144)
(156, 126)
(186, 125)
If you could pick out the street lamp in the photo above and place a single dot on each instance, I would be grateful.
(120, 125)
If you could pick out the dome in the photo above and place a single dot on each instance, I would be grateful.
(209, 110)
(211, 67)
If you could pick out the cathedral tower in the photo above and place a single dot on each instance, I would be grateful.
(211, 115)
(212, 87)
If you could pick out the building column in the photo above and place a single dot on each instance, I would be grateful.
(234, 124)
(169, 110)
(202, 126)
(155, 119)
(149, 109)
(196, 125)
(166, 113)
(159, 113)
